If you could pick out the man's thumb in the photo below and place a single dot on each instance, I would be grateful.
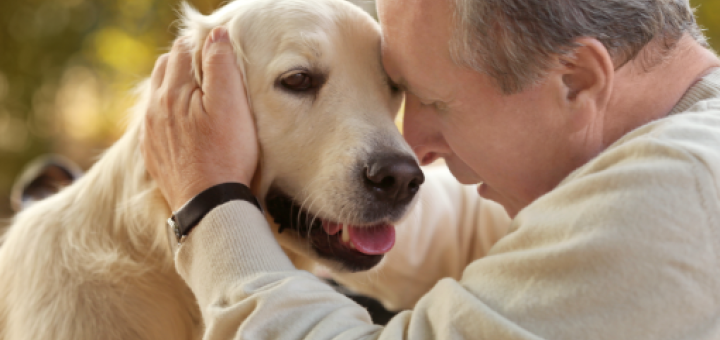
(219, 64)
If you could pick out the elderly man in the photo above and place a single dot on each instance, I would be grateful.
(594, 123)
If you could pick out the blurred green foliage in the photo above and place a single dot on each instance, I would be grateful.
(66, 67)
(708, 16)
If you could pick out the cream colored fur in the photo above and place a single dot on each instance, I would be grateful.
(94, 261)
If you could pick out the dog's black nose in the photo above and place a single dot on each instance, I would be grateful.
(393, 179)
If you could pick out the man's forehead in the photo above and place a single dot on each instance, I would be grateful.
(394, 13)
(414, 19)
(413, 27)
(415, 43)
(392, 10)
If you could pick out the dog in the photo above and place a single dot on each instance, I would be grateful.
(94, 261)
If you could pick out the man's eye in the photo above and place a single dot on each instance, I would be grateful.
(440, 106)
(297, 82)
(437, 106)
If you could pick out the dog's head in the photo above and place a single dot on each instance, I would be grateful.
(335, 173)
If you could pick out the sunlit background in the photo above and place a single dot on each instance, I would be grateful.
(67, 66)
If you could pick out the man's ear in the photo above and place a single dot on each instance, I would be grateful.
(587, 76)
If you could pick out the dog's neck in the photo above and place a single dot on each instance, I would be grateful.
(121, 202)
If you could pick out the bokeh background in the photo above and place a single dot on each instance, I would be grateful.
(67, 68)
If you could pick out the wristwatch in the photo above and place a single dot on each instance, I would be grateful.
(189, 215)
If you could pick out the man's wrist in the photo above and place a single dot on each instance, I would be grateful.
(191, 213)
(192, 190)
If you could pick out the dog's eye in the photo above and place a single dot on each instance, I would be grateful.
(297, 82)
(301, 82)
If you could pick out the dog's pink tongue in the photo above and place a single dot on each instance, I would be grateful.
(373, 240)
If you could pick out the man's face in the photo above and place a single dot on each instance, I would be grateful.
(518, 146)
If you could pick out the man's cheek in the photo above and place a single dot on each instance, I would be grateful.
(462, 172)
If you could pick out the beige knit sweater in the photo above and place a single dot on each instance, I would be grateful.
(626, 247)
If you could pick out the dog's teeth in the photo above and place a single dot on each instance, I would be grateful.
(352, 245)
(345, 234)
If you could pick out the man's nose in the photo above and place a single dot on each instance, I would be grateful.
(422, 131)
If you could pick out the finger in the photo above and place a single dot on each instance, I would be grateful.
(199, 118)
(221, 74)
(158, 74)
(197, 108)
(179, 66)
(181, 97)
(147, 149)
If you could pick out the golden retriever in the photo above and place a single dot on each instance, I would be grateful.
(94, 260)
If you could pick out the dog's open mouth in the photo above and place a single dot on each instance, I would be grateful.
(355, 247)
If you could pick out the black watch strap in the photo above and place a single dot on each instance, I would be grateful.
(185, 219)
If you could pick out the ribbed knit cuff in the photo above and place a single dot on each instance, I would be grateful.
(708, 87)
(233, 242)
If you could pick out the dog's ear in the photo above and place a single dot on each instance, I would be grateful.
(196, 27)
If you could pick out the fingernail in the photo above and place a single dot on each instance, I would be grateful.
(219, 34)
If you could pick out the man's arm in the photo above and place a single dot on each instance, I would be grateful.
(624, 250)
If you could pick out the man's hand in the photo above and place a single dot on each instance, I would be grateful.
(196, 137)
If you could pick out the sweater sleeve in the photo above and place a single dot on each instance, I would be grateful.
(624, 249)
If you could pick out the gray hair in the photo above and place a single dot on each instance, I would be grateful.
(513, 41)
